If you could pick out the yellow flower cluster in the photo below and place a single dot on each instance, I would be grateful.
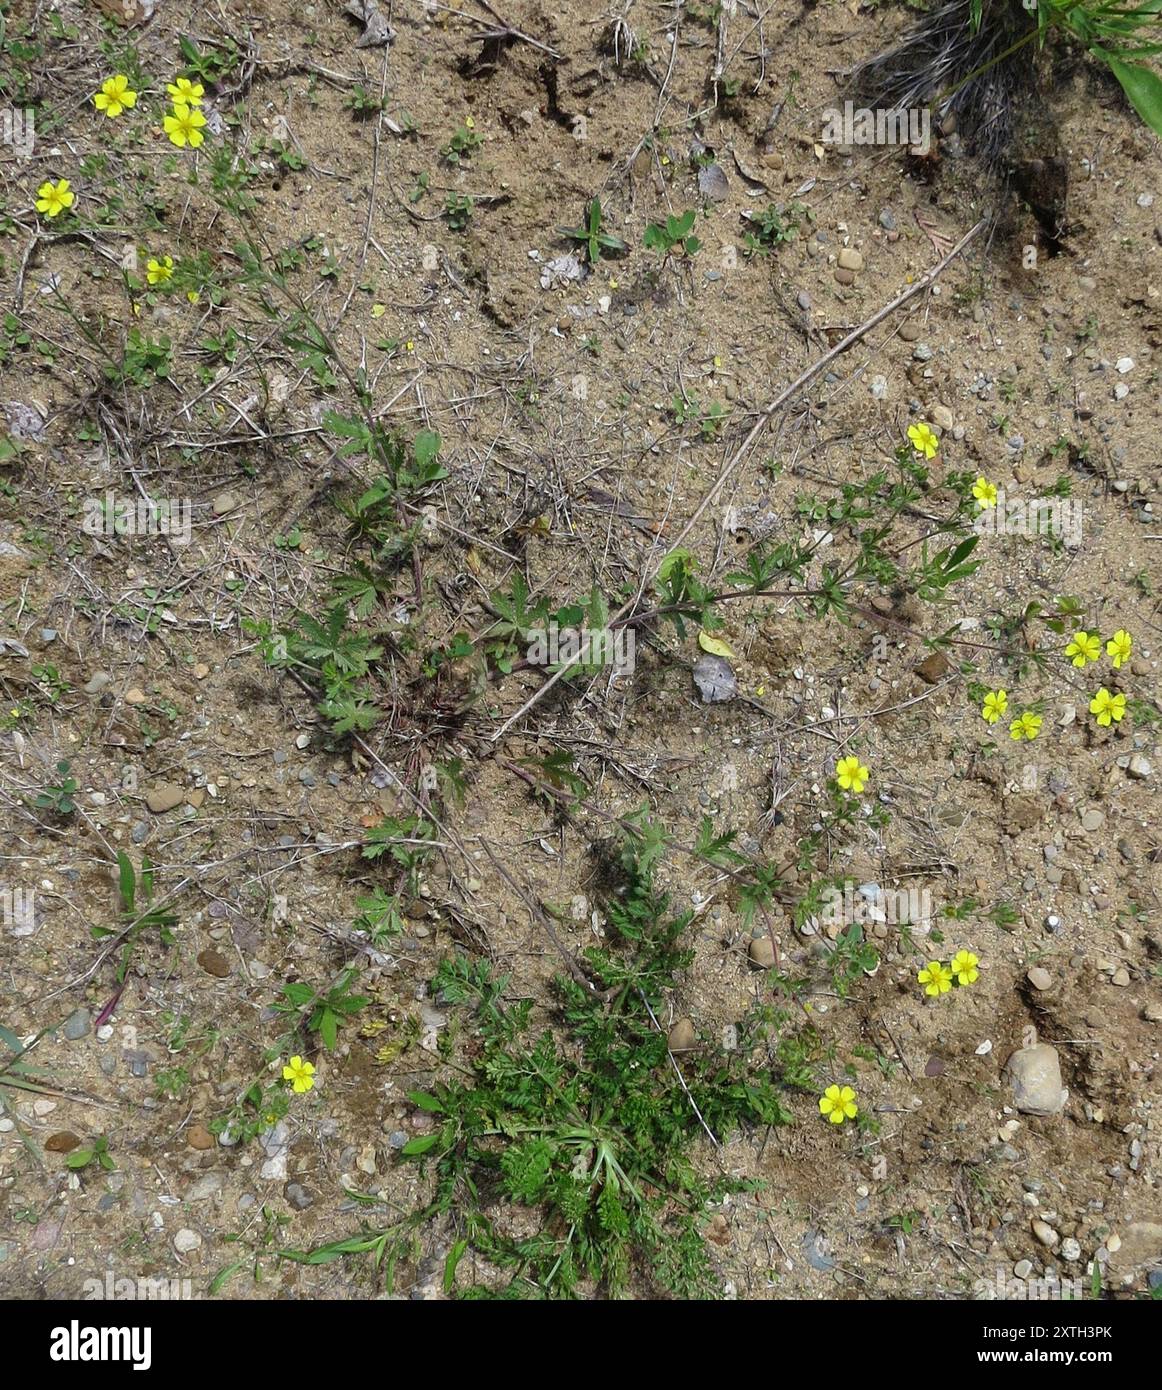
(1083, 647)
(183, 125)
(937, 978)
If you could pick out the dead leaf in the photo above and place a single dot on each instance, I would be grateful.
(376, 30)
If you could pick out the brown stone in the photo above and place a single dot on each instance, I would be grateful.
(164, 798)
(62, 1143)
(214, 962)
(199, 1137)
(762, 952)
(933, 667)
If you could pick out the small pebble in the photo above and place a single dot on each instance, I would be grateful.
(762, 952)
(1044, 1232)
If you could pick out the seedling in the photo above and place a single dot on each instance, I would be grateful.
(774, 226)
(592, 236)
(461, 143)
(327, 1011)
(363, 104)
(673, 235)
(97, 1152)
(458, 211)
(58, 798)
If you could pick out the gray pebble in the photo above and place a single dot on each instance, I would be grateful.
(205, 1188)
(298, 1196)
(77, 1025)
(715, 679)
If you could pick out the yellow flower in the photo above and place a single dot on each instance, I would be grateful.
(1025, 726)
(53, 198)
(115, 96)
(852, 775)
(964, 965)
(184, 92)
(193, 296)
(1086, 646)
(469, 123)
(1107, 707)
(184, 127)
(985, 493)
(996, 702)
(159, 272)
(923, 439)
(409, 346)
(838, 1104)
(300, 1074)
(1119, 647)
(936, 978)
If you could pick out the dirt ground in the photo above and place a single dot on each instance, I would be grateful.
(580, 435)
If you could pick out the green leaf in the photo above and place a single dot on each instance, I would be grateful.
(224, 1276)
(1142, 86)
(426, 447)
(451, 1262)
(420, 1146)
(127, 880)
(426, 1102)
(679, 557)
